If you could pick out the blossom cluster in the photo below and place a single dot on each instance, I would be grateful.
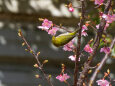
(63, 77)
(48, 27)
(71, 45)
(109, 19)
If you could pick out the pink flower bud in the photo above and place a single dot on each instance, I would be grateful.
(71, 9)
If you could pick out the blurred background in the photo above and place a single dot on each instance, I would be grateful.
(16, 65)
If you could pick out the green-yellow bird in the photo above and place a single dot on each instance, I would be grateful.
(63, 38)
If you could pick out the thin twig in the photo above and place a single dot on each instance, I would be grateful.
(36, 57)
(30, 49)
(92, 79)
(93, 27)
(62, 27)
(67, 83)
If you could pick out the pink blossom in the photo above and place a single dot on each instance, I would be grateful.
(46, 25)
(99, 2)
(104, 16)
(72, 57)
(106, 26)
(102, 82)
(109, 18)
(71, 9)
(53, 31)
(79, 59)
(63, 77)
(105, 50)
(97, 26)
(84, 28)
(69, 46)
(83, 33)
(88, 49)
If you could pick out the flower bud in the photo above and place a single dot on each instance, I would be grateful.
(26, 50)
(108, 71)
(23, 43)
(36, 65)
(49, 76)
(89, 71)
(38, 53)
(45, 61)
(37, 76)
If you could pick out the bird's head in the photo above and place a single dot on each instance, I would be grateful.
(55, 42)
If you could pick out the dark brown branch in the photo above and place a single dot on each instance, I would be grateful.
(95, 46)
(77, 52)
(92, 79)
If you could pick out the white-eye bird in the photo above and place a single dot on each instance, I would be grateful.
(63, 39)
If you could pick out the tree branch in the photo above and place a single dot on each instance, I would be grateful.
(36, 57)
(101, 65)
(95, 46)
(77, 51)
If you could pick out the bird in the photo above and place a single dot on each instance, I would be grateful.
(64, 38)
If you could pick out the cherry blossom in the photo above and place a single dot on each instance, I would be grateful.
(88, 49)
(106, 26)
(109, 18)
(102, 82)
(53, 31)
(63, 77)
(84, 27)
(46, 25)
(99, 2)
(83, 33)
(105, 50)
(97, 26)
(72, 57)
(71, 9)
(69, 46)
